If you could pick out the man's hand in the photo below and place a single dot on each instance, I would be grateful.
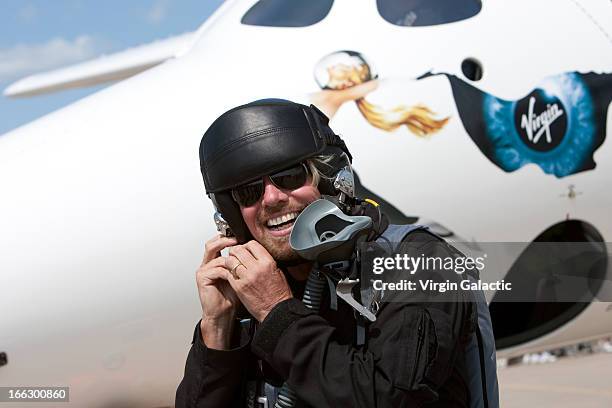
(218, 299)
(258, 282)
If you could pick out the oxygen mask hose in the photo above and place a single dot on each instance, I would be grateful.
(313, 293)
(286, 397)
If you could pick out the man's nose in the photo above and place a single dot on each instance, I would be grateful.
(273, 195)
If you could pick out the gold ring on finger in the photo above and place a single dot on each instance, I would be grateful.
(233, 270)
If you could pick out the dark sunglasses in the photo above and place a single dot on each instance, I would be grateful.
(288, 179)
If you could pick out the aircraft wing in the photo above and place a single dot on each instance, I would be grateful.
(112, 67)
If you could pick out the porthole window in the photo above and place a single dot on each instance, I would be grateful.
(420, 13)
(472, 69)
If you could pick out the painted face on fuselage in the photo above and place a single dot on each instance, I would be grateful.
(270, 220)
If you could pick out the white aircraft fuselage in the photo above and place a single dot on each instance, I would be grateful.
(103, 210)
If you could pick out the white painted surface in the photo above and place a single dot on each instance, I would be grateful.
(103, 213)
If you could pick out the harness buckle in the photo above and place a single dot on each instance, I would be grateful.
(344, 289)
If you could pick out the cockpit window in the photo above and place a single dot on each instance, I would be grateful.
(419, 13)
(287, 13)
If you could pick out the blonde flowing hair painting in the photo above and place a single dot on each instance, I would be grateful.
(419, 119)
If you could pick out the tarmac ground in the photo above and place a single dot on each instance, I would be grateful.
(583, 381)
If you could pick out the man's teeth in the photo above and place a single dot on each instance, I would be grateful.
(282, 219)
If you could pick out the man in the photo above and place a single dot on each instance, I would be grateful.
(262, 164)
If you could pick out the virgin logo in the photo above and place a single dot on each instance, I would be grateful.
(537, 125)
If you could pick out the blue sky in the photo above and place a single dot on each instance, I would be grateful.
(42, 35)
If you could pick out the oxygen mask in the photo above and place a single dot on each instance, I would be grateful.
(324, 234)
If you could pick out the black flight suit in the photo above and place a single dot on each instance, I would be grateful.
(413, 355)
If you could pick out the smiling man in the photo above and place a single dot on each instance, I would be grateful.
(262, 164)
